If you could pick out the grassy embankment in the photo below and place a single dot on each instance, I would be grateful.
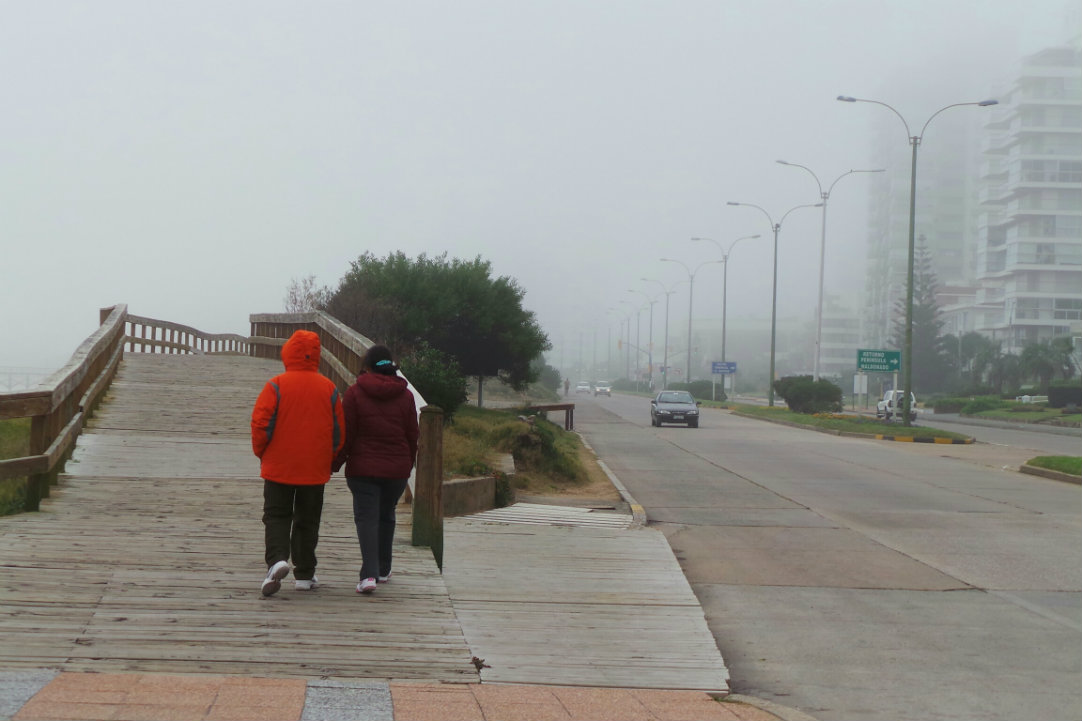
(548, 459)
(1029, 413)
(1064, 464)
(14, 443)
(842, 423)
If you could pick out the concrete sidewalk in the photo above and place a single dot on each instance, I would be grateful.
(47, 696)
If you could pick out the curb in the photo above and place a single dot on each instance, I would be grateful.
(935, 439)
(785, 713)
(638, 513)
(1049, 473)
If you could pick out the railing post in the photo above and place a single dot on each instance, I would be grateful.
(428, 495)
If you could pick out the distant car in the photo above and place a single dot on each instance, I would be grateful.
(582, 387)
(674, 407)
(891, 405)
(604, 388)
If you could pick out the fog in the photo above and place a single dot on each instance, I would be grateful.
(190, 159)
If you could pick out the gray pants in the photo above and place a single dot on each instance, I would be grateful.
(374, 501)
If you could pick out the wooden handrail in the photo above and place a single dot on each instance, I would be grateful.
(149, 335)
(59, 406)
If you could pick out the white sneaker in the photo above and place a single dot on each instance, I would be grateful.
(306, 584)
(273, 581)
(384, 579)
(366, 586)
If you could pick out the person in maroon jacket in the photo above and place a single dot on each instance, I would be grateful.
(379, 453)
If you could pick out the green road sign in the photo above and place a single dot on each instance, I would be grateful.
(879, 361)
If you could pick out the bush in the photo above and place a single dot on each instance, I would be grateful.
(437, 377)
(803, 395)
(1063, 393)
(950, 405)
(984, 403)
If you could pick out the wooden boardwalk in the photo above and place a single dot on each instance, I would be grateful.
(149, 554)
(572, 597)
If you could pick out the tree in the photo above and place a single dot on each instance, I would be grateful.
(1063, 356)
(455, 306)
(303, 295)
(931, 357)
(1038, 361)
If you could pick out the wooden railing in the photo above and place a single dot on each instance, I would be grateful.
(341, 347)
(147, 335)
(60, 405)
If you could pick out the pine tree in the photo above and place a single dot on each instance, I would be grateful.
(931, 361)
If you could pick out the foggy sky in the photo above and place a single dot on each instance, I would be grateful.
(190, 159)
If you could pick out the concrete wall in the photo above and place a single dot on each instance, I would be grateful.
(463, 496)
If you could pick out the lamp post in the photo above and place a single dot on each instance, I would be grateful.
(914, 140)
(725, 281)
(665, 362)
(627, 319)
(774, 298)
(650, 341)
(825, 195)
(691, 297)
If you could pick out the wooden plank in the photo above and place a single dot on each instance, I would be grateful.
(625, 613)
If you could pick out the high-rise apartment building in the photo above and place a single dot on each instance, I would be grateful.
(1029, 258)
(946, 213)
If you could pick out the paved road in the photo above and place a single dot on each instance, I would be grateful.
(855, 579)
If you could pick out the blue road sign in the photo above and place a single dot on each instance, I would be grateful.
(723, 368)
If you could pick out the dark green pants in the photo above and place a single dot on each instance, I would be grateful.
(291, 516)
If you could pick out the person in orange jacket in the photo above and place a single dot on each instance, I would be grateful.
(297, 430)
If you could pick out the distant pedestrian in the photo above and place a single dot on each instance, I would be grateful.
(380, 450)
(567, 386)
(297, 430)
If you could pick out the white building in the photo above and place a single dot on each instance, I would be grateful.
(1029, 258)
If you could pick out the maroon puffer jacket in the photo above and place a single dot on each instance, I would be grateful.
(381, 428)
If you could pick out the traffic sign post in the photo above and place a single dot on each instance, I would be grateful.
(723, 369)
(879, 361)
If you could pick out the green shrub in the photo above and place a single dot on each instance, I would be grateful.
(803, 395)
(437, 377)
(950, 405)
(984, 403)
(505, 494)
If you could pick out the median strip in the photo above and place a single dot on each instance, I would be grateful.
(924, 439)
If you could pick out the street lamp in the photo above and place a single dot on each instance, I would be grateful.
(774, 299)
(665, 362)
(627, 319)
(914, 140)
(691, 296)
(725, 281)
(825, 195)
(650, 351)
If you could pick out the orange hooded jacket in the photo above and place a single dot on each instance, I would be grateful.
(297, 422)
